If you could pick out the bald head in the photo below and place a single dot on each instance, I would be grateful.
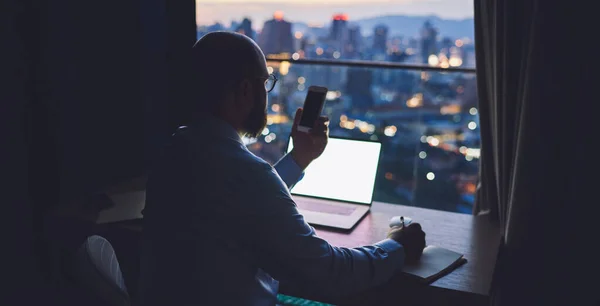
(220, 61)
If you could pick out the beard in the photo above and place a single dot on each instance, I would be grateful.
(256, 120)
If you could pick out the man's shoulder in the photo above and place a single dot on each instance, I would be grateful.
(224, 154)
(254, 161)
(251, 169)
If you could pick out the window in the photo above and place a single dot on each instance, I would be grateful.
(402, 73)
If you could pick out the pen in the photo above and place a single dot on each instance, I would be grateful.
(402, 220)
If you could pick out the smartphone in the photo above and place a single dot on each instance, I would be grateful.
(313, 106)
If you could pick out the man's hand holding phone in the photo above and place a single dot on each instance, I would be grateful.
(308, 146)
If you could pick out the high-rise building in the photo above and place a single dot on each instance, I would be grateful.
(468, 55)
(398, 56)
(447, 43)
(353, 46)
(203, 30)
(276, 36)
(338, 35)
(380, 37)
(234, 26)
(428, 41)
(358, 88)
(339, 27)
(216, 27)
(246, 28)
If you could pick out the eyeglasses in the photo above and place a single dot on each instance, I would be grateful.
(270, 82)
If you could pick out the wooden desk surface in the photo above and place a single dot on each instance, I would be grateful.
(475, 237)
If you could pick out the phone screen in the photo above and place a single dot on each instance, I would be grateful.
(312, 108)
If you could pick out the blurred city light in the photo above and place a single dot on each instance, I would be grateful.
(433, 60)
(390, 131)
(415, 101)
(284, 68)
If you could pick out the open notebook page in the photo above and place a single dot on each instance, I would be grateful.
(434, 261)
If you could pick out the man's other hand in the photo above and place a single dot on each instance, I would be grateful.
(309, 146)
(412, 238)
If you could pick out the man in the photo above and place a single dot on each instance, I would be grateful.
(220, 226)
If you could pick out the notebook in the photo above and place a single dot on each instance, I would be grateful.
(435, 263)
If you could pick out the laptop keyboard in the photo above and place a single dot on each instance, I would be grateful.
(319, 206)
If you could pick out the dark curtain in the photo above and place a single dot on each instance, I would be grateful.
(83, 104)
(503, 65)
(168, 34)
(535, 95)
(18, 31)
(181, 36)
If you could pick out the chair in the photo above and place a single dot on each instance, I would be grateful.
(96, 270)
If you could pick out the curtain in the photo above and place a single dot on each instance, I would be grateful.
(534, 104)
(505, 41)
(23, 281)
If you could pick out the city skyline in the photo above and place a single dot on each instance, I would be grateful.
(427, 121)
(318, 13)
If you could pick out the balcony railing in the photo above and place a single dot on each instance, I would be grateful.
(426, 118)
(370, 64)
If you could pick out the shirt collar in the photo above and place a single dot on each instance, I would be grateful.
(218, 128)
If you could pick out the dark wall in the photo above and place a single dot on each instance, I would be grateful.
(92, 90)
(84, 98)
(181, 36)
(18, 35)
(111, 76)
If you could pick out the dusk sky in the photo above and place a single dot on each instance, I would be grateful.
(320, 11)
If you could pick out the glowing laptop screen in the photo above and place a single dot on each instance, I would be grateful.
(346, 171)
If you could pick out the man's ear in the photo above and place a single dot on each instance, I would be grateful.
(245, 89)
(244, 94)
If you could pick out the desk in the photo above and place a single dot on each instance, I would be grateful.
(472, 236)
(475, 237)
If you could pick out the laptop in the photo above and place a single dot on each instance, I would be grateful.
(337, 188)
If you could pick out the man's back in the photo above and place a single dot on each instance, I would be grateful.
(188, 194)
(219, 222)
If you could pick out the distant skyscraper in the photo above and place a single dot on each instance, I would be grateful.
(246, 28)
(398, 56)
(352, 47)
(215, 27)
(276, 36)
(380, 36)
(428, 41)
(339, 27)
(201, 31)
(447, 43)
(338, 35)
(234, 26)
(358, 88)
